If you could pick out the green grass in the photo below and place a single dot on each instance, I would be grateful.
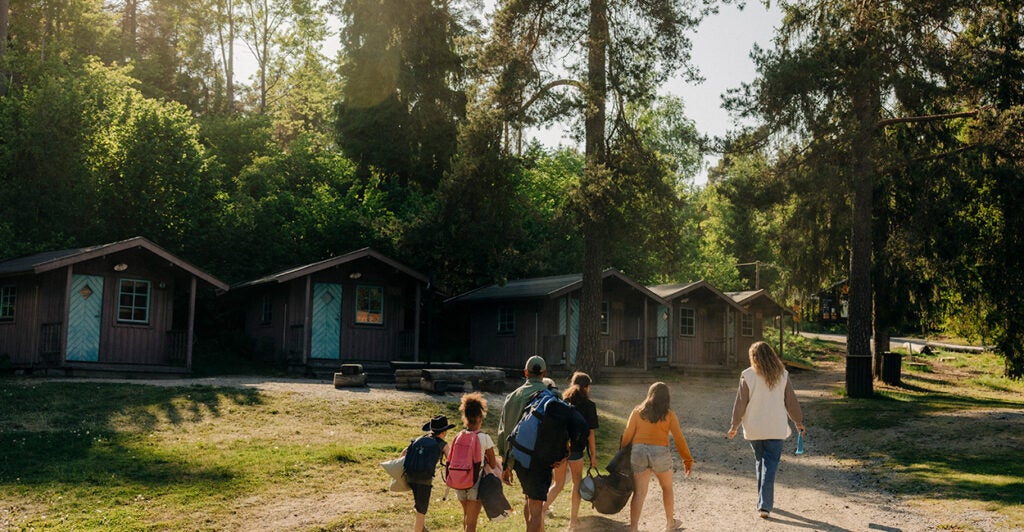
(951, 434)
(111, 456)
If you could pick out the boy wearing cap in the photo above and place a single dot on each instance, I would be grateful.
(535, 482)
(422, 483)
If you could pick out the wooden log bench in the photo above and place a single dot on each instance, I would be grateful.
(443, 380)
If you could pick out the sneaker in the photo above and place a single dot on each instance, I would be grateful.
(763, 514)
(676, 525)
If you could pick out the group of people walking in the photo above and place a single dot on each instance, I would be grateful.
(765, 402)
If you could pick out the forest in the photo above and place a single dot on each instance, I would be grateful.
(886, 147)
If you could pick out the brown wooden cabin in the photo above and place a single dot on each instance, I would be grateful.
(361, 307)
(758, 308)
(128, 306)
(511, 322)
(699, 326)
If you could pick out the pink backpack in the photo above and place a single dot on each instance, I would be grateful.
(464, 462)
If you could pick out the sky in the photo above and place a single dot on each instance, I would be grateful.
(721, 50)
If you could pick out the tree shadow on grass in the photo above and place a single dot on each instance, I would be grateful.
(93, 434)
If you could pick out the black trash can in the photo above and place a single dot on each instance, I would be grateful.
(892, 368)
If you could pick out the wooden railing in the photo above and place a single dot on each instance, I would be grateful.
(176, 348)
(49, 342)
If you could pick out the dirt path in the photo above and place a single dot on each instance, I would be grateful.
(824, 489)
(813, 491)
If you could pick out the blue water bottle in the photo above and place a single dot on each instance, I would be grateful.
(799, 442)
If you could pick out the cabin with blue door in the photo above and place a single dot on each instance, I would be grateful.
(511, 322)
(128, 306)
(361, 307)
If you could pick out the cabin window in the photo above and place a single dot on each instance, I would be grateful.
(370, 305)
(8, 297)
(604, 317)
(266, 309)
(506, 320)
(133, 301)
(687, 322)
(747, 324)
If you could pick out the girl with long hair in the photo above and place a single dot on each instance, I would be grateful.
(764, 400)
(648, 428)
(474, 409)
(578, 395)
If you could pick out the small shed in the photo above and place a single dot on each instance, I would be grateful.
(758, 307)
(124, 306)
(512, 321)
(361, 307)
(699, 325)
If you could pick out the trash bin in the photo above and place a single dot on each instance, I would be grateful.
(892, 367)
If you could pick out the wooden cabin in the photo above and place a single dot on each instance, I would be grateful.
(361, 307)
(758, 308)
(123, 307)
(511, 322)
(698, 324)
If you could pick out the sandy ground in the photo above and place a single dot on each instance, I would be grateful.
(825, 489)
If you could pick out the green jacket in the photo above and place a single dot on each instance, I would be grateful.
(512, 410)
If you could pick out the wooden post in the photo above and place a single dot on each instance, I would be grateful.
(643, 330)
(66, 319)
(307, 317)
(191, 323)
(416, 327)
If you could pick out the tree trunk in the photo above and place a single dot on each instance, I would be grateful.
(594, 249)
(4, 9)
(229, 64)
(866, 104)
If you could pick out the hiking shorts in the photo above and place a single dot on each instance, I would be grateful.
(471, 494)
(535, 481)
(421, 496)
(656, 457)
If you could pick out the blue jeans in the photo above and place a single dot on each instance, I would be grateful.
(767, 454)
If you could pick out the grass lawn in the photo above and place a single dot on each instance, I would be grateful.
(950, 434)
(114, 456)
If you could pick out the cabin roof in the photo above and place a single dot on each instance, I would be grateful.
(544, 287)
(760, 297)
(52, 260)
(674, 291)
(309, 269)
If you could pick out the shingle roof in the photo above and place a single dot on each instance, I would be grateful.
(544, 287)
(51, 260)
(307, 269)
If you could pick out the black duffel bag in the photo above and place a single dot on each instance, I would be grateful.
(611, 492)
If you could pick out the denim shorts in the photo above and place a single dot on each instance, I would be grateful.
(656, 457)
(471, 494)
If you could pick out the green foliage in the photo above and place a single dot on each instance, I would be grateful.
(119, 164)
(402, 97)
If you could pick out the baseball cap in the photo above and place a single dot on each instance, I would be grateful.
(536, 365)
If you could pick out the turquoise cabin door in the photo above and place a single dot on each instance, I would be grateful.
(326, 328)
(573, 331)
(85, 311)
(662, 333)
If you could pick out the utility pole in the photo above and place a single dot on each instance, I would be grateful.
(757, 272)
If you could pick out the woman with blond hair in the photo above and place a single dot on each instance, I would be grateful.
(764, 400)
(648, 428)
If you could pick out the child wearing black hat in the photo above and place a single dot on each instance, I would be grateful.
(421, 457)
